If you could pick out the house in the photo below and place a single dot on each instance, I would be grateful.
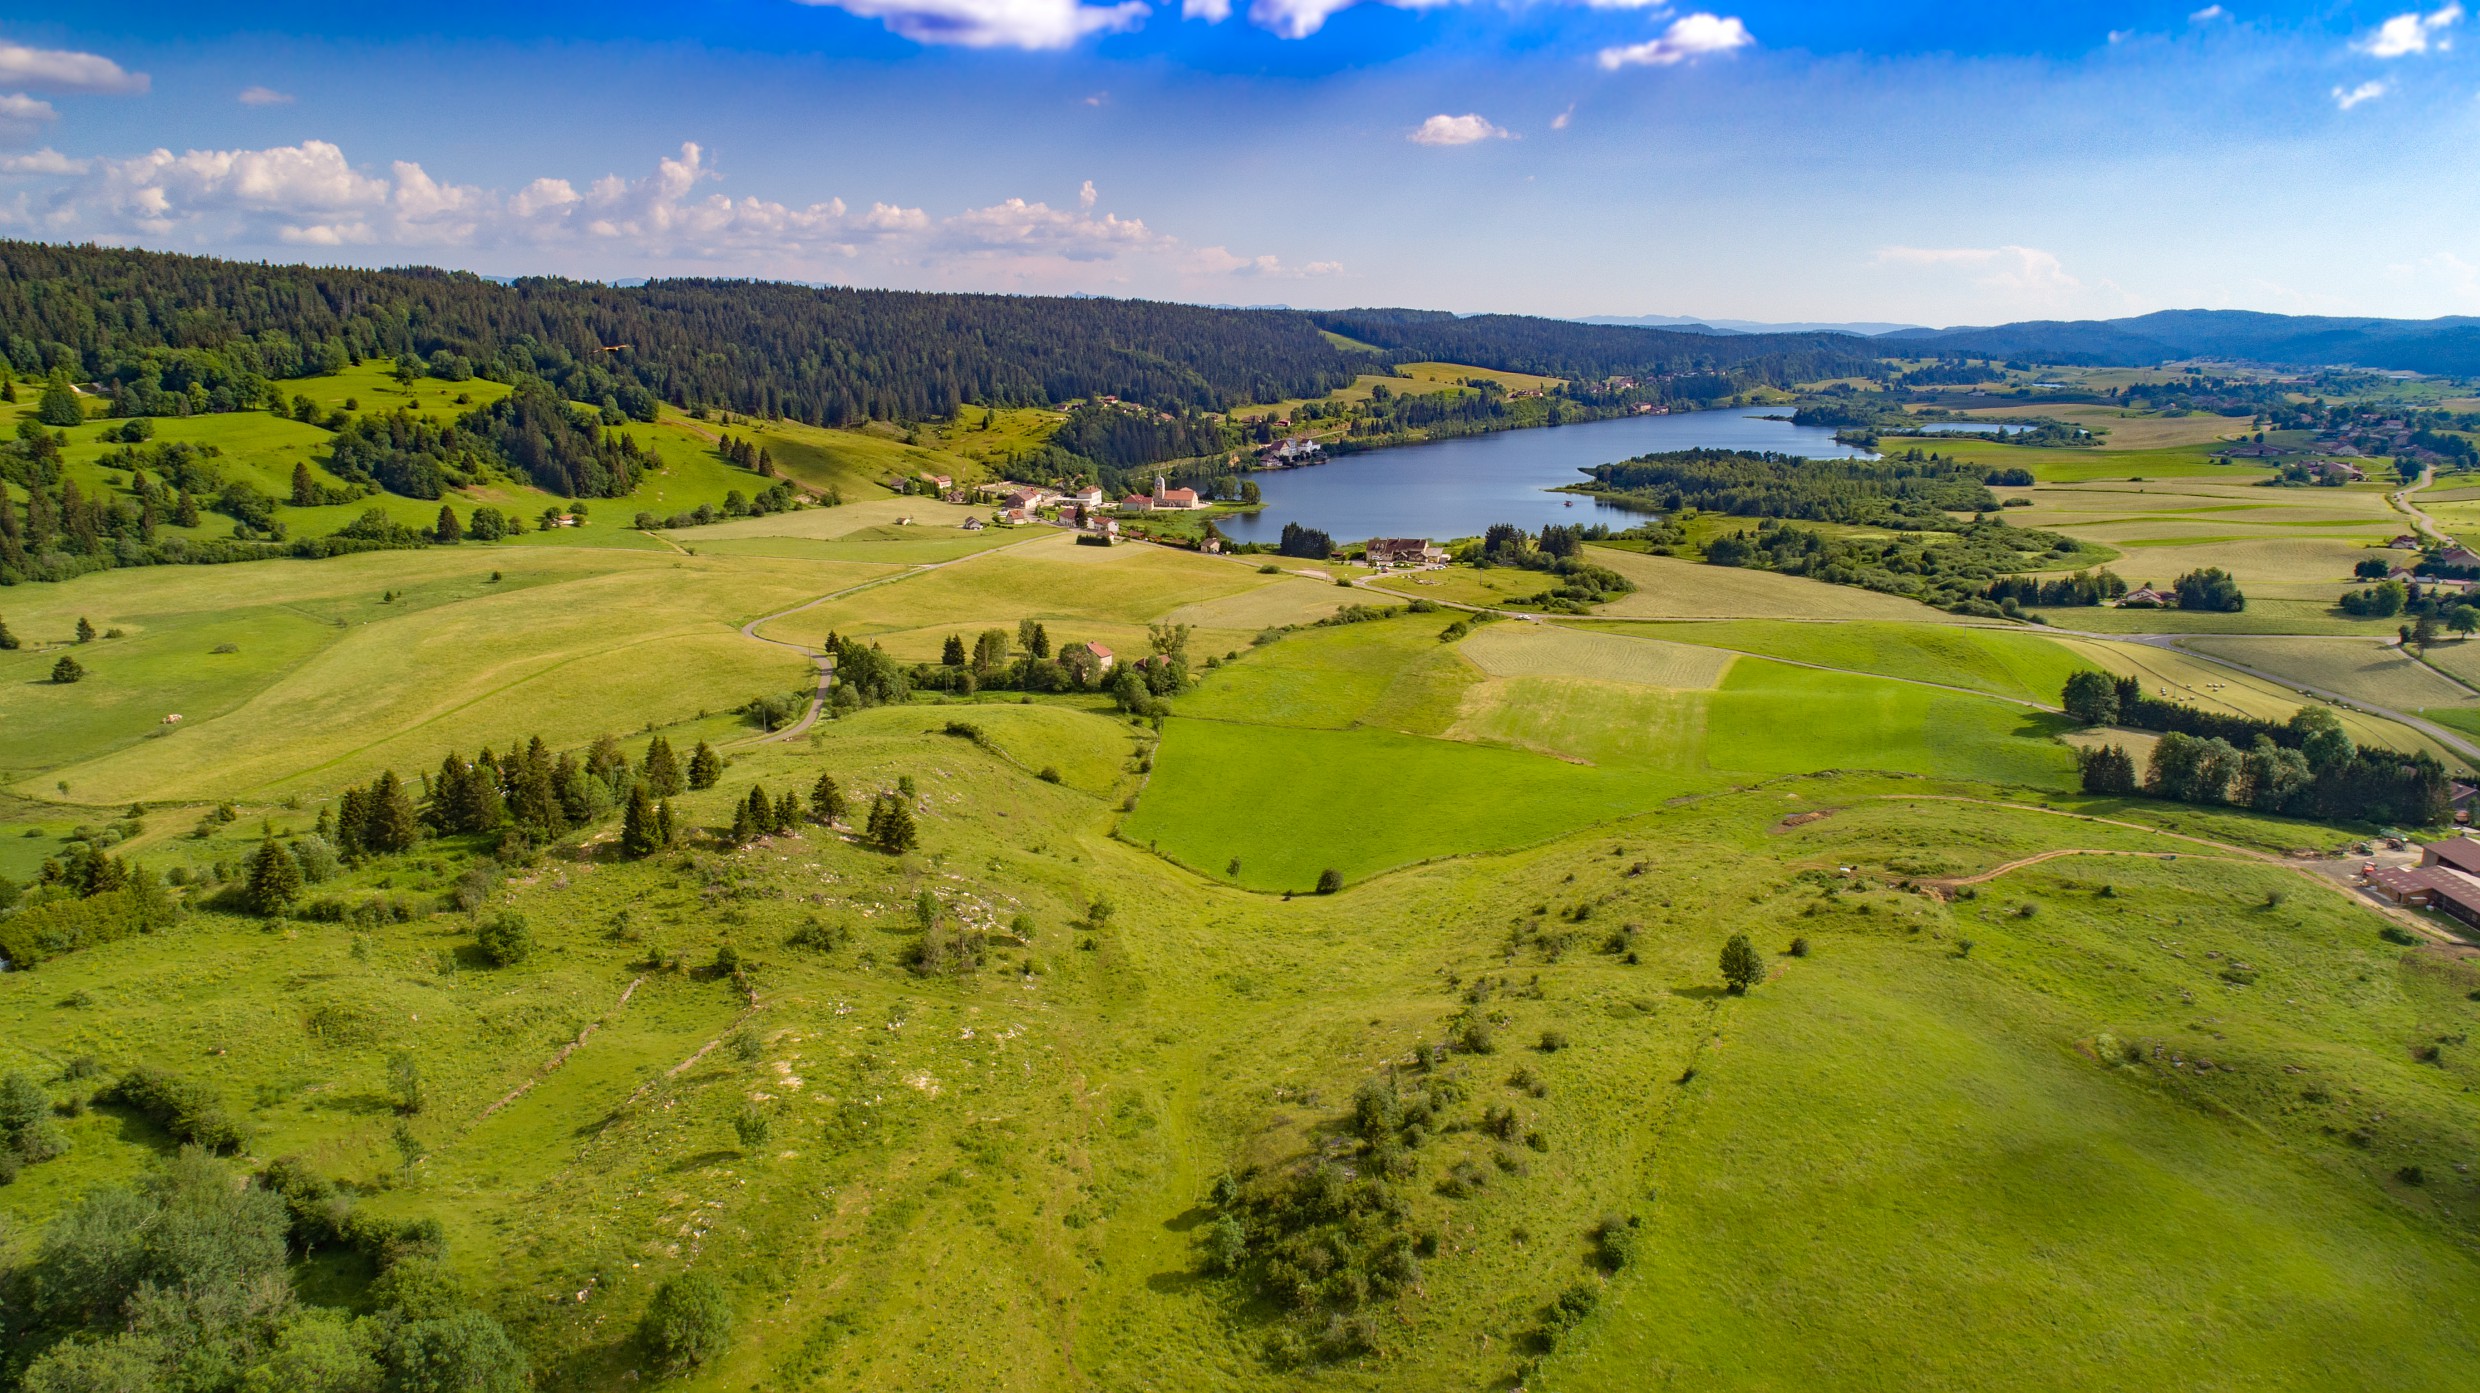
(1384, 552)
(2458, 556)
(1136, 503)
(2339, 469)
(1027, 499)
(940, 482)
(1212, 546)
(1086, 497)
(998, 488)
(1016, 517)
(2406, 542)
(1081, 654)
(1289, 451)
(974, 524)
(1106, 527)
(2146, 597)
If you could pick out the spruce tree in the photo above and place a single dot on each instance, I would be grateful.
(952, 655)
(449, 531)
(390, 825)
(67, 670)
(891, 827)
(761, 811)
(664, 824)
(662, 768)
(305, 488)
(185, 510)
(352, 818)
(59, 405)
(85, 630)
(8, 640)
(275, 878)
(826, 801)
(743, 831)
(705, 766)
(787, 812)
(641, 831)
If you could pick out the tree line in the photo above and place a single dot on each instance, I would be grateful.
(1913, 490)
(2307, 766)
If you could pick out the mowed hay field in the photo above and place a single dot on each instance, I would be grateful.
(1668, 588)
(2174, 676)
(2003, 662)
(2369, 670)
(1578, 707)
(331, 681)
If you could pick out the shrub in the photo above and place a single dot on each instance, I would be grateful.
(1553, 1041)
(504, 939)
(1614, 1242)
(463, 1352)
(1799, 947)
(1329, 881)
(190, 1111)
(753, 1128)
(688, 1322)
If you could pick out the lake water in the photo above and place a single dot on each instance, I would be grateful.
(1457, 488)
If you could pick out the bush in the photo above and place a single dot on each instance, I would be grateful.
(190, 1111)
(1740, 968)
(1614, 1242)
(1329, 881)
(1553, 1041)
(688, 1322)
(504, 939)
(466, 1352)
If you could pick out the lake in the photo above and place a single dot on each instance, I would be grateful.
(1457, 488)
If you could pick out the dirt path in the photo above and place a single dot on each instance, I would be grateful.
(1944, 887)
(2422, 523)
(825, 662)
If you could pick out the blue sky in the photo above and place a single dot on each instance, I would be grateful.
(1928, 163)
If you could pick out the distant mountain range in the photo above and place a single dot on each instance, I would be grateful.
(2448, 346)
(1690, 325)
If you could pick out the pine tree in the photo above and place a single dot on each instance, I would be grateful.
(305, 488)
(352, 817)
(662, 768)
(449, 531)
(8, 641)
(59, 404)
(953, 654)
(891, 827)
(85, 630)
(761, 811)
(641, 831)
(826, 801)
(787, 812)
(67, 670)
(744, 831)
(275, 878)
(664, 824)
(389, 825)
(185, 510)
(705, 766)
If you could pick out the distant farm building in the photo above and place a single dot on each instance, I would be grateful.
(1385, 552)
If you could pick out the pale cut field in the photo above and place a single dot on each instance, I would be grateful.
(2459, 657)
(1658, 730)
(2182, 677)
(1050, 578)
(1669, 588)
(1541, 650)
(930, 517)
(2127, 430)
(2137, 743)
(2369, 670)
(1282, 600)
(650, 642)
(2291, 568)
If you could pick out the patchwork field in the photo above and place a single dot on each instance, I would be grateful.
(2361, 669)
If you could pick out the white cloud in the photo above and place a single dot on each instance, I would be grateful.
(21, 116)
(264, 96)
(2208, 14)
(63, 70)
(1698, 35)
(2406, 34)
(1564, 119)
(41, 162)
(1466, 129)
(1211, 11)
(2011, 281)
(1028, 24)
(2346, 98)
(310, 195)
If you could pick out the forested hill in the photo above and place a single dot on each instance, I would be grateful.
(2449, 346)
(827, 356)
(1564, 348)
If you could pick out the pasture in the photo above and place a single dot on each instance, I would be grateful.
(2369, 670)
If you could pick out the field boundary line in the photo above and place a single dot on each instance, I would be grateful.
(561, 1057)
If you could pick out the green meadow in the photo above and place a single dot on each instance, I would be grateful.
(954, 1116)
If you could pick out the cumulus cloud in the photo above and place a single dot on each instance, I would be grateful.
(21, 116)
(264, 96)
(2406, 34)
(2347, 97)
(1699, 35)
(1027, 24)
(65, 70)
(311, 195)
(1466, 129)
(1564, 119)
(2208, 14)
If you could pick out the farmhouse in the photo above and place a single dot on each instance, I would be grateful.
(973, 524)
(2405, 542)
(1077, 654)
(1086, 497)
(2455, 853)
(1384, 552)
(1136, 503)
(2431, 887)
(2145, 597)
(2458, 556)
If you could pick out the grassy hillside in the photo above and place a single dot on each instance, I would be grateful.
(955, 1117)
